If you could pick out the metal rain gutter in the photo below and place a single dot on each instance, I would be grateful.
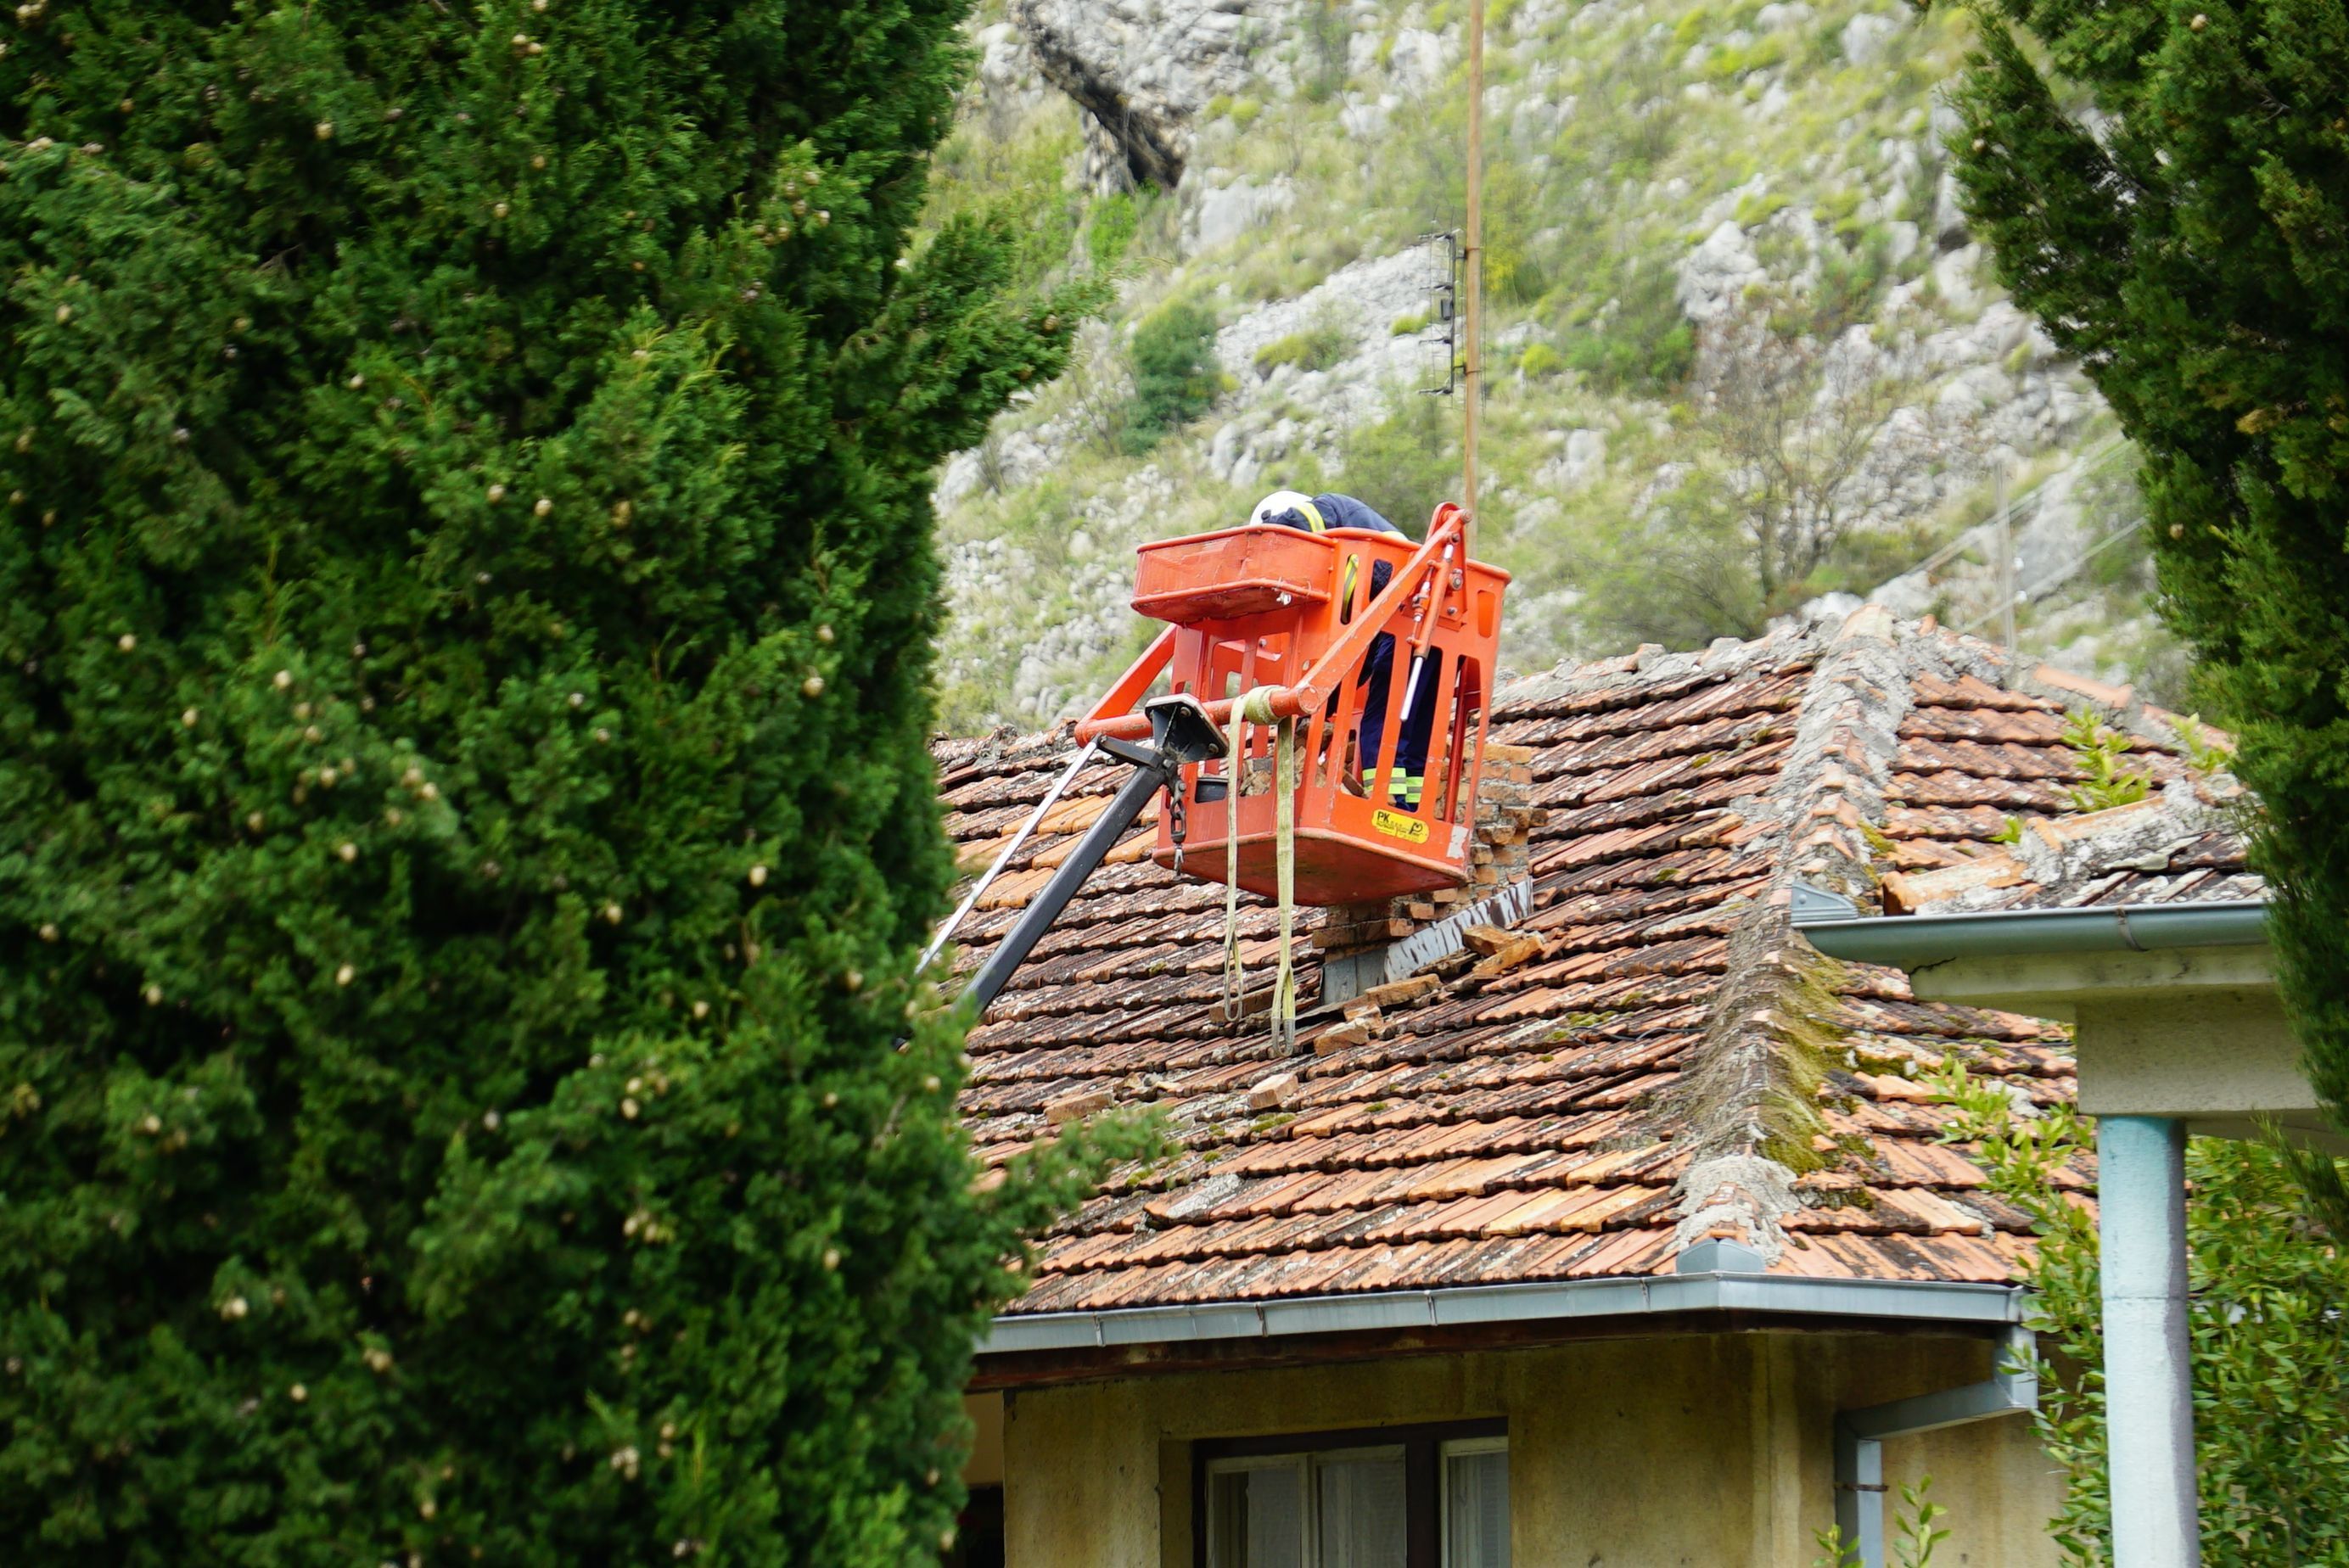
(1835, 926)
(1934, 1301)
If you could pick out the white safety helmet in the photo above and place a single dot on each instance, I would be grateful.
(1278, 501)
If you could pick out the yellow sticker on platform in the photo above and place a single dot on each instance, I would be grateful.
(1397, 825)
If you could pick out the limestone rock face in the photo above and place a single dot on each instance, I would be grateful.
(1715, 274)
(1006, 68)
(1668, 178)
(1141, 70)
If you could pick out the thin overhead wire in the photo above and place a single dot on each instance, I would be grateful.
(2080, 467)
(2062, 572)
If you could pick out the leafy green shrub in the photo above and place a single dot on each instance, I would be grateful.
(1540, 361)
(1328, 35)
(1110, 229)
(2098, 750)
(1641, 362)
(1770, 49)
(1839, 209)
(1638, 341)
(1406, 463)
(1516, 269)
(1916, 1532)
(1672, 355)
(1175, 373)
(1850, 281)
(983, 168)
(1316, 348)
(1408, 325)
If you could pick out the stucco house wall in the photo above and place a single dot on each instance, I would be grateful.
(1704, 1450)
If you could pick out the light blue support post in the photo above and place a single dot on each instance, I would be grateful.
(2149, 1382)
(1859, 1497)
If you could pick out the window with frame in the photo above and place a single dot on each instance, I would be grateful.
(1413, 1497)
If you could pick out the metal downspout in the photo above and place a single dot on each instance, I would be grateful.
(1860, 1435)
(2149, 1374)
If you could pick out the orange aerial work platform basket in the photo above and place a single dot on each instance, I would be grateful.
(1373, 647)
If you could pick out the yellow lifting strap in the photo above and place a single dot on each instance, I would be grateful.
(1256, 708)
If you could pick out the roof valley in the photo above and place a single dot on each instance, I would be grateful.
(1746, 1113)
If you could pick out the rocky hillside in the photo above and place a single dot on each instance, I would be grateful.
(1744, 356)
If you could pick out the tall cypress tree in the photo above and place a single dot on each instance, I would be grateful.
(465, 596)
(2187, 240)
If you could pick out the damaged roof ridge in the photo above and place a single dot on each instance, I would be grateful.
(1642, 673)
(1747, 1099)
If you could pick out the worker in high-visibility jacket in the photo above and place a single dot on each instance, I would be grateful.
(1318, 514)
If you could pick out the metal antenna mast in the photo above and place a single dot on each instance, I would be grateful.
(1472, 374)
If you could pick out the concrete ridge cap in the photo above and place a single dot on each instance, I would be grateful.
(2062, 854)
(1831, 783)
(1006, 741)
(1846, 738)
(2121, 706)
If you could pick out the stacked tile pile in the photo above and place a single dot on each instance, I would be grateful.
(1505, 818)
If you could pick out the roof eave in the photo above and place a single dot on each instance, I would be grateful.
(1951, 1302)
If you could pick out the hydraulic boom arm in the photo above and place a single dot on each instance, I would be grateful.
(1180, 734)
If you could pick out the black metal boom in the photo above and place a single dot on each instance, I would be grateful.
(1180, 734)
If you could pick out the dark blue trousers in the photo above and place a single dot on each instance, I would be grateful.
(1411, 744)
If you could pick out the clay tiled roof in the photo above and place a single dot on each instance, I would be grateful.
(1671, 1062)
(1994, 817)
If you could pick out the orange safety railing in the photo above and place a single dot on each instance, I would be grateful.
(1291, 615)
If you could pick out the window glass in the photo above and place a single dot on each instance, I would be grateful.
(1349, 1507)
(1476, 1506)
(1256, 1517)
(1362, 1512)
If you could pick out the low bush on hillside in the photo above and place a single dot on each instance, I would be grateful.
(1174, 376)
(1634, 339)
(1316, 348)
(1407, 462)
(1110, 230)
(1328, 33)
(1636, 362)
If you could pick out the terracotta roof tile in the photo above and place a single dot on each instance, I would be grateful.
(1521, 1128)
